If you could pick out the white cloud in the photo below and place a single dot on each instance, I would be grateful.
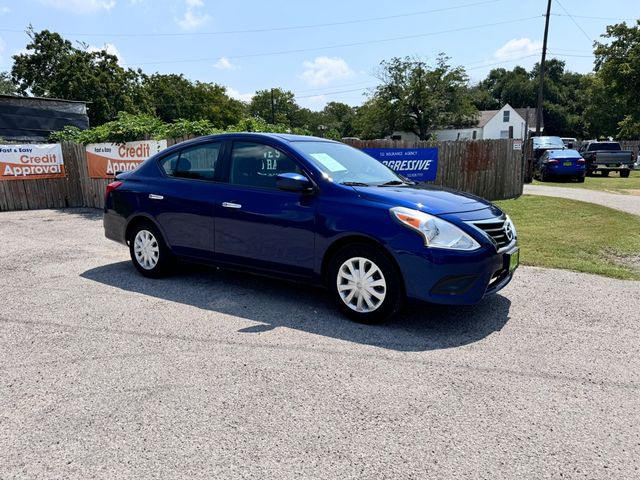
(81, 6)
(324, 70)
(4, 10)
(224, 64)
(244, 97)
(192, 17)
(518, 47)
(111, 49)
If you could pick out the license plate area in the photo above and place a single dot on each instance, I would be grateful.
(567, 164)
(512, 259)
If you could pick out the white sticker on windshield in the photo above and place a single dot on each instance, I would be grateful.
(329, 162)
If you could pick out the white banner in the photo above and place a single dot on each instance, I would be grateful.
(31, 161)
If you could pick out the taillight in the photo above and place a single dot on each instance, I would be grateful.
(580, 160)
(111, 187)
(552, 161)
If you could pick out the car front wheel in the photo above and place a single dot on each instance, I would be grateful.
(365, 284)
(148, 252)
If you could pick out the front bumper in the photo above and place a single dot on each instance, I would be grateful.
(456, 278)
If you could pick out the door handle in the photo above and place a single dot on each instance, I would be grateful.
(153, 196)
(231, 205)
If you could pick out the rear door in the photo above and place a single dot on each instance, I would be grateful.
(183, 202)
(258, 225)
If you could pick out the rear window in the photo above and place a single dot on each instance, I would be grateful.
(548, 142)
(603, 146)
(568, 153)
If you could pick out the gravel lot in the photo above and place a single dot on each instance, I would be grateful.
(214, 374)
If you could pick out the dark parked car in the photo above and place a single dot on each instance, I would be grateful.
(606, 157)
(313, 210)
(560, 163)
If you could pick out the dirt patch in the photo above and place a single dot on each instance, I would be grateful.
(630, 261)
(631, 191)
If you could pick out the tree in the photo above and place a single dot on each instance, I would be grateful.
(418, 98)
(276, 106)
(7, 87)
(617, 67)
(53, 67)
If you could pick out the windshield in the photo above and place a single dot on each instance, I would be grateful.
(345, 164)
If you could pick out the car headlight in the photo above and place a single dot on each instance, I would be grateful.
(435, 231)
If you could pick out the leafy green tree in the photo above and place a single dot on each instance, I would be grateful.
(419, 98)
(617, 67)
(276, 106)
(7, 87)
(370, 120)
(53, 67)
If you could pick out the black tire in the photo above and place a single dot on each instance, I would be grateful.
(159, 256)
(624, 173)
(580, 179)
(374, 258)
(605, 173)
(544, 177)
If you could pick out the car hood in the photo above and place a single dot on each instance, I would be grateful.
(426, 198)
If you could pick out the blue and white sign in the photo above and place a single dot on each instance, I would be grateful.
(417, 164)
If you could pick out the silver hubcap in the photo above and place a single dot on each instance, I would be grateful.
(361, 285)
(146, 249)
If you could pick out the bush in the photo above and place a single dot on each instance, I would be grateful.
(128, 127)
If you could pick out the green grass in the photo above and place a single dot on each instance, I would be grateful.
(612, 183)
(579, 236)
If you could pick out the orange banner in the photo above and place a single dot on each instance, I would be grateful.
(104, 160)
(31, 161)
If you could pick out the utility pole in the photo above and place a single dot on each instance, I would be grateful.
(544, 56)
(273, 108)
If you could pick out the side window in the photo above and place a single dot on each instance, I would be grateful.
(197, 162)
(257, 165)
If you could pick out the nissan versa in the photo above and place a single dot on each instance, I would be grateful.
(312, 210)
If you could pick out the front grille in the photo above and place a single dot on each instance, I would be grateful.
(498, 231)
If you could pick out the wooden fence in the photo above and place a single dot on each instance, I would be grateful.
(489, 168)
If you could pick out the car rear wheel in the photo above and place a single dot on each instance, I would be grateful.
(149, 254)
(365, 284)
(605, 173)
(580, 179)
(624, 173)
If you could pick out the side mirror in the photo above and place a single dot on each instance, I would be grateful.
(293, 182)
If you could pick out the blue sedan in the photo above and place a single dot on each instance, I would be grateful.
(311, 210)
(565, 163)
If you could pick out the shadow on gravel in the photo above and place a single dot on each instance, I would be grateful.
(276, 303)
(86, 213)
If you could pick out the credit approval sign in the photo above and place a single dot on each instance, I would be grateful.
(417, 164)
(31, 161)
(105, 159)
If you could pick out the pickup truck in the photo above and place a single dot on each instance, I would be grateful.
(606, 157)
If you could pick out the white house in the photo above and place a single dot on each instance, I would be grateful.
(508, 122)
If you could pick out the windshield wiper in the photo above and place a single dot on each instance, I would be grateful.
(355, 184)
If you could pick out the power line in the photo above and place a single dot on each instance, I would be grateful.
(613, 19)
(574, 21)
(327, 47)
(277, 29)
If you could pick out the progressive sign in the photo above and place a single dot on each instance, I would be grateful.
(104, 160)
(417, 164)
(31, 161)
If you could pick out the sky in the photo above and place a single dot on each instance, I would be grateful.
(321, 51)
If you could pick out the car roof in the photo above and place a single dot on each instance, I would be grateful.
(287, 137)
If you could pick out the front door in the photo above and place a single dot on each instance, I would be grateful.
(258, 225)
